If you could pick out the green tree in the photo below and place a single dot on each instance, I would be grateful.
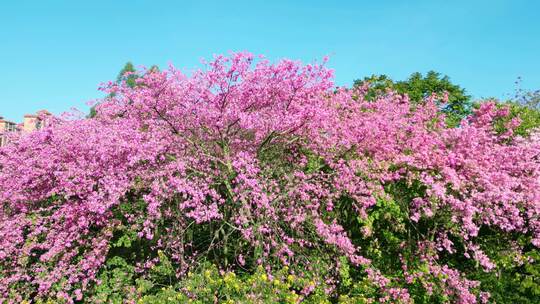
(529, 118)
(129, 75)
(525, 106)
(418, 87)
(378, 85)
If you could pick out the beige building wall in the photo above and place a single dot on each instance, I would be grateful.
(31, 122)
(5, 127)
(2, 130)
(2, 125)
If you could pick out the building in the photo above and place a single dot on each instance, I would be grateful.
(34, 122)
(5, 127)
(31, 122)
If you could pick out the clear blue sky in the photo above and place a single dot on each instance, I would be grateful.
(54, 54)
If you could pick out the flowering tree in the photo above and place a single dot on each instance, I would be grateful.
(250, 164)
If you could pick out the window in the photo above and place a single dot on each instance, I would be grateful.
(11, 127)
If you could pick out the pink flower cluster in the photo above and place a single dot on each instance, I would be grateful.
(262, 150)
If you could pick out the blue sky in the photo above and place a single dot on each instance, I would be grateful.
(54, 54)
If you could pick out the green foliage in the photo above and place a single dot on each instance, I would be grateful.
(119, 283)
(514, 284)
(93, 112)
(117, 280)
(128, 75)
(418, 87)
(386, 233)
(529, 118)
(378, 85)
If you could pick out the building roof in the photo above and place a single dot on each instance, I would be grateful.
(38, 113)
